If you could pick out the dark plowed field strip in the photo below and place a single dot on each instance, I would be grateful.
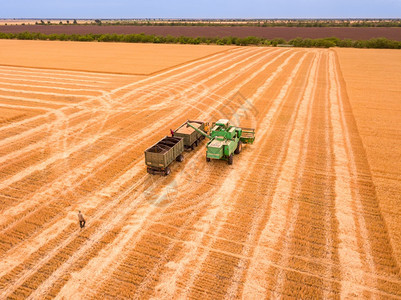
(208, 31)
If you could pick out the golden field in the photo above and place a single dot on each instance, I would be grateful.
(310, 210)
(123, 58)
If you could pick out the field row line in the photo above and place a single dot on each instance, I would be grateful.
(191, 252)
(65, 151)
(131, 243)
(50, 87)
(60, 72)
(27, 79)
(7, 74)
(113, 201)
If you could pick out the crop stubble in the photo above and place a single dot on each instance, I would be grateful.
(273, 224)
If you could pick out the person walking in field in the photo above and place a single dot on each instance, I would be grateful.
(81, 220)
(172, 132)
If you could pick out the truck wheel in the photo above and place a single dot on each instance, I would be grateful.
(167, 171)
(239, 148)
(196, 143)
(192, 147)
(180, 158)
(230, 159)
(207, 159)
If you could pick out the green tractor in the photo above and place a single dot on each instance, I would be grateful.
(225, 140)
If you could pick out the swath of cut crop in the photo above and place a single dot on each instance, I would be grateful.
(203, 231)
(212, 215)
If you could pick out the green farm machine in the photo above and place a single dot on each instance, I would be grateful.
(225, 140)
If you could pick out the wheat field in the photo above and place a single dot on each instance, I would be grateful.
(310, 210)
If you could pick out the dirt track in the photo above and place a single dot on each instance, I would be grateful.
(295, 215)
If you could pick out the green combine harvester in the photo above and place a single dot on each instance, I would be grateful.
(225, 140)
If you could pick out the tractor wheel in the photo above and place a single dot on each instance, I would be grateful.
(207, 159)
(230, 159)
(167, 171)
(180, 158)
(239, 148)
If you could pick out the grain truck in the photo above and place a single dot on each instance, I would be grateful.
(159, 157)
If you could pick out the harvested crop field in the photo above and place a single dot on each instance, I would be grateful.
(287, 33)
(303, 212)
(141, 59)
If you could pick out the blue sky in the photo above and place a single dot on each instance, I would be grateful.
(200, 9)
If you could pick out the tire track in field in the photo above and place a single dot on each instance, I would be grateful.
(268, 119)
(227, 266)
(16, 91)
(31, 101)
(107, 188)
(50, 110)
(369, 212)
(102, 100)
(105, 97)
(145, 211)
(332, 271)
(150, 78)
(26, 172)
(77, 74)
(306, 284)
(363, 232)
(350, 260)
(97, 234)
(291, 167)
(130, 243)
(137, 136)
(315, 231)
(50, 77)
(51, 87)
(144, 285)
(102, 157)
(193, 251)
(27, 79)
(288, 283)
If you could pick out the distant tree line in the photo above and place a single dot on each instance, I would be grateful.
(270, 23)
(235, 23)
(382, 43)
